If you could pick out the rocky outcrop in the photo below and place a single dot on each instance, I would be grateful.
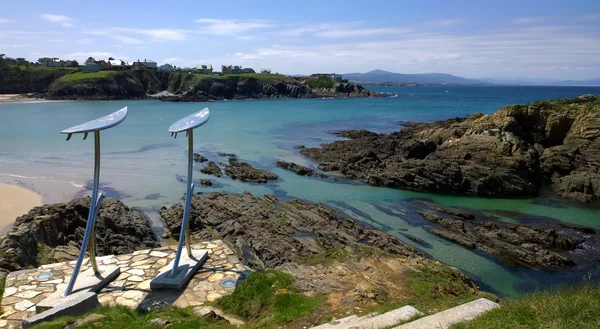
(545, 246)
(54, 232)
(246, 173)
(298, 169)
(267, 232)
(510, 153)
(341, 89)
(199, 158)
(119, 85)
(211, 168)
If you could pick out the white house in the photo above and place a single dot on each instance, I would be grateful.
(265, 71)
(204, 69)
(150, 63)
(116, 62)
(91, 67)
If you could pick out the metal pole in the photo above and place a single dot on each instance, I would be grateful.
(188, 242)
(184, 233)
(89, 229)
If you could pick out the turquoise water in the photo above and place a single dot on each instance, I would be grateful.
(144, 166)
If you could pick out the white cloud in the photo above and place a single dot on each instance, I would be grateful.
(343, 33)
(445, 22)
(231, 26)
(336, 30)
(127, 40)
(59, 19)
(156, 34)
(537, 51)
(5, 20)
(249, 38)
(591, 17)
(85, 41)
(530, 20)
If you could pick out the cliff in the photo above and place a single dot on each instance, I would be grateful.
(169, 86)
(511, 153)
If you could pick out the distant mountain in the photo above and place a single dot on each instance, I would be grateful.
(380, 76)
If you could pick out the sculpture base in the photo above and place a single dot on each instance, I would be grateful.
(188, 266)
(87, 281)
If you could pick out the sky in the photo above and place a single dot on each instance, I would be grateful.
(474, 39)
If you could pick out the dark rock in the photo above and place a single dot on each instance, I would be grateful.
(199, 158)
(212, 169)
(206, 182)
(53, 233)
(267, 232)
(528, 245)
(510, 153)
(298, 169)
(353, 134)
(246, 173)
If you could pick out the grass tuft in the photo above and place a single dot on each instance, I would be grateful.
(268, 297)
(125, 318)
(77, 76)
(570, 307)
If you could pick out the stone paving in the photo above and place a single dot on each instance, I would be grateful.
(217, 277)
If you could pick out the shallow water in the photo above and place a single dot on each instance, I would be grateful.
(145, 167)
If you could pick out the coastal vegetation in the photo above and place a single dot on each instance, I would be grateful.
(269, 298)
(77, 76)
(566, 308)
(73, 84)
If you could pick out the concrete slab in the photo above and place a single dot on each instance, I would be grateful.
(78, 304)
(374, 320)
(86, 282)
(188, 266)
(445, 319)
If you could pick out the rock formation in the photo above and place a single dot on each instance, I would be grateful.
(211, 168)
(510, 153)
(246, 173)
(545, 245)
(298, 169)
(63, 83)
(267, 232)
(53, 233)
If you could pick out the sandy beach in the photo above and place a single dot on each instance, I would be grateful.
(14, 202)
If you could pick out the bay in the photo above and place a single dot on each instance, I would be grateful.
(145, 167)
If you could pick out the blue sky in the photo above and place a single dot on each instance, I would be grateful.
(540, 39)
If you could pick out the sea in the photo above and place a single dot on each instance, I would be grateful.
(146, 168)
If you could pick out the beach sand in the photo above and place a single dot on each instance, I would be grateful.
(14, 202)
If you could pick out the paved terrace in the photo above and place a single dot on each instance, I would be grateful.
(217, 277)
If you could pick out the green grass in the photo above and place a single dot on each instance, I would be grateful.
(85, 76)
(42, 68)
(2, 285)
(434, 289)
(320, 83)
(334, 254)
(124, 318)
(268, 297)
(571, 307)
(258, 76)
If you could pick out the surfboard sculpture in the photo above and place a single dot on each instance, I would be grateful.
(187, 124)
(94, 126)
